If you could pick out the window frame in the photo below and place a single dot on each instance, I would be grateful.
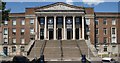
(97, 29)
(114, 23)
(14, 22)
(13, 48)
(32, 21)
(105, 21)
(105, 31)
(23, 22)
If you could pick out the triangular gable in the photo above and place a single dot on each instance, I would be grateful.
(59, 6)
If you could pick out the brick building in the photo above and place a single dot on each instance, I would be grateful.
(61, 21)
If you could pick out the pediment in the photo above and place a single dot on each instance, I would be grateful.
(60, 6)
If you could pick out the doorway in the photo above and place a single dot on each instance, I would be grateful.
(77, 33)
(50, 34)
(59, 33)
(69, 34)
(5, 50)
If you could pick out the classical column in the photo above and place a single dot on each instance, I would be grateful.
(83, 27)
(45, 28)
(36, 28)
(73, 27)
(54, 27)
(64, 28)
(80, 34)
(39, 32)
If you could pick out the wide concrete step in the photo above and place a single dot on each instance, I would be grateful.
(53, 50)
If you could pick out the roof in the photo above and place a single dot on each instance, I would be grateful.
(57, 3)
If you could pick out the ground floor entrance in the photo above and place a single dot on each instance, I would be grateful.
(69, 34)
(51, 34)
(59, 33)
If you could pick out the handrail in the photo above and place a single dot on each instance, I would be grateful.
(91, 47)
(79, 48)
(43, 47)
(61, 49)
(29, 46)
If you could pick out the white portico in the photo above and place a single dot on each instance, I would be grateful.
(60, 21)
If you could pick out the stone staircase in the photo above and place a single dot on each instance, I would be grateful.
(60, 50)
(70, 50)
(52, 50)
(35, 51)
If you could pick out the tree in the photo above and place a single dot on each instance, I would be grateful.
(5, 13)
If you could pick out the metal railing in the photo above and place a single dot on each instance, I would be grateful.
(61, 49)
(79, 48)
(29, 47)
(43, 47)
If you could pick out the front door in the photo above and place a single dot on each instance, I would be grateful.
(59, 33)
(50, 34)
(5, 50)
(77, 33)
(69, 34)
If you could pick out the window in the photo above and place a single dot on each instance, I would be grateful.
(59, 20)
(13, 49)
(96, 21)
(22, 31)
(96, 31)
(97, 40)
(77, 20)
(31, 21)
(113, 31)
(31, 30)
(113, 22)
(5, 31)
(14, 41)
(105, 48)
(113, 39)
(14, 22)
(50, 21)
(105, 40)
(32, 38)
(42, 20)
(5, 22)
(22, 48)
(105, 21)
(23, 22)
(22, 41)
(69, 20)
(41, 33)
(105, 31)
(14, 31)
(88, 21)
(5, 41)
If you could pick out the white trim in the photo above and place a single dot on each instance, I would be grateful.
(83, 37)
(114, 35)
(73, 27)
(58, 12)
(54, 28)
(36, 28)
